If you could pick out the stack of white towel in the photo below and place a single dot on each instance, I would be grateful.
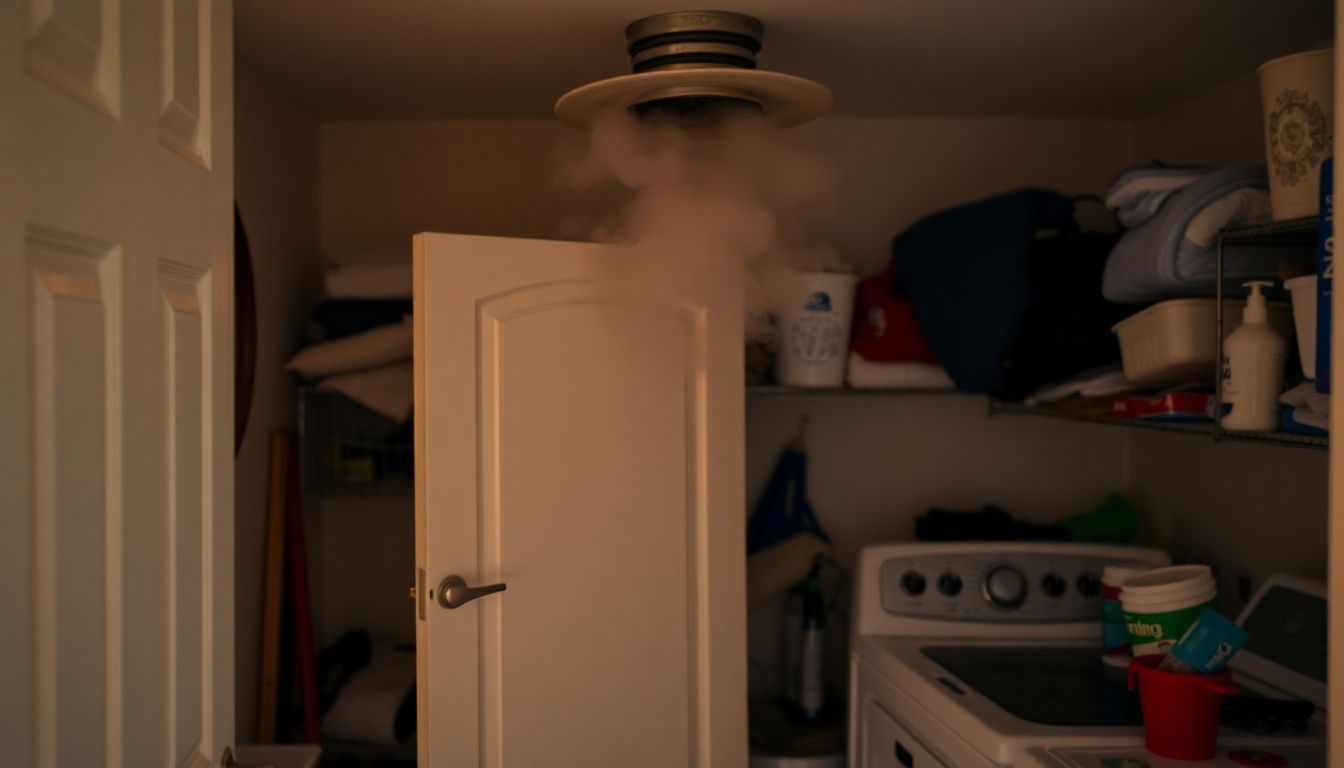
(373, 367)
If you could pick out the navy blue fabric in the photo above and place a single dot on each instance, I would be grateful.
(783, 510)
(968, 273)
(347, 317)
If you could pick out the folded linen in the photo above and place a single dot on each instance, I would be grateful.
(389, 390)
(1171, 251)
(370, 281)
(863, 374)
(1098, 382)
(1309, 407)
(380, 346)
(1137, 194)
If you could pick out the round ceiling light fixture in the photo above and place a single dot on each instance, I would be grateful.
(696, 65)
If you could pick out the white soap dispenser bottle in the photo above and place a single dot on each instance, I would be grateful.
(1253, 360)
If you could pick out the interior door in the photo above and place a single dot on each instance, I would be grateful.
(115, 399)
(578, 427)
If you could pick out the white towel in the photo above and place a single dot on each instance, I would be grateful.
(389, 390)
(370, 281)
(376, 705)
(865, 375)
(370, 349)
(1098, 382)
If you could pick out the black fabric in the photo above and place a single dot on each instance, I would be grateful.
(1066, 329)
(989, 524)
(346, 317)
(968, 273)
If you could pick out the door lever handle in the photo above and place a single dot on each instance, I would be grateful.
(454, 592)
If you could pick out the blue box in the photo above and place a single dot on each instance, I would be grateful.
(1325, 274)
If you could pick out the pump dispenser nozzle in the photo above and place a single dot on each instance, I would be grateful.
(1255, 311)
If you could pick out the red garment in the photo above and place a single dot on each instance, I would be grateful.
(885, 328)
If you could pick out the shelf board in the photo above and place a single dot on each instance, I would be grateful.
(780, 389)
(1204, 428)
(1289, 232)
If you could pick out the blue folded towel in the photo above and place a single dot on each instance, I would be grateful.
(1163, 256)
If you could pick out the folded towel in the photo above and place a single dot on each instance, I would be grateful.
(371, 281)
(1310, 408)
(1137, 194)
(377, 704)
(380, 346)
(1171, 251)
(1099, 382)
(389, 390)
(866, 375)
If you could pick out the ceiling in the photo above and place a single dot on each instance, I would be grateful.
(404, 59)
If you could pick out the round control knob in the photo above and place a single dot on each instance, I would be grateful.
(1053, 584)
(1005, 586)
(949, 584)
(912, 583)
(1089, 585)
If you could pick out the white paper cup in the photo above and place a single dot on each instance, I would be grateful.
(1163, 603)
(1303, 290)
(814, 318)
(1297, 95)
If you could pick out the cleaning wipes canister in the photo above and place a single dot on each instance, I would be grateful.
(1114, 632)
(1163, 603)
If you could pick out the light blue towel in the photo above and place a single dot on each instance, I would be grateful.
(1155, 260)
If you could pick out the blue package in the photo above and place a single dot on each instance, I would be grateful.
(1209, 643)
(1325, 274)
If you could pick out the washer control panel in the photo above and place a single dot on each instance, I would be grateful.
(1024, 587)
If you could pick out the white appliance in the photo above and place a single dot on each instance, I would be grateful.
(988, 654)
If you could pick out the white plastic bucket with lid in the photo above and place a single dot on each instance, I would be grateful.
(1114, 632)
(1297, 95)
(1303, 290)
(814, 315)
(1163, 603)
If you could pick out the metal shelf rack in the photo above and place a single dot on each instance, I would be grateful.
(348, 449)
(1292, 232)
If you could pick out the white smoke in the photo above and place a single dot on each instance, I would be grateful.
(738, 189)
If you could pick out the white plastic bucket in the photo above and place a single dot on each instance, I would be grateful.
(1163, 603)
(1114, 632)
(1303, 290)
(814, 315)
(1297, 96)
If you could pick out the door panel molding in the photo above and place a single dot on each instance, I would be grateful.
(185, 291)
(185, 98)
(74, 47)
(75, 339)
(494, 313)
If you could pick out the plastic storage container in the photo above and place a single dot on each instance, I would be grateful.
(1163, 603)
(1303, 290)
(1173, 342)
(814, 319)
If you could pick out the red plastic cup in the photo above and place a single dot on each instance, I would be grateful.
(1180, 709)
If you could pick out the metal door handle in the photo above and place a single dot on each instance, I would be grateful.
(454, 592)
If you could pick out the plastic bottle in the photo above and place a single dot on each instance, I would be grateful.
(1253, 359)
(811, 672)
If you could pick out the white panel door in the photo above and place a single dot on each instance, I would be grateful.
(578, 432)
(116, 394)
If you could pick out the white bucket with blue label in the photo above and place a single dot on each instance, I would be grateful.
(814, 316)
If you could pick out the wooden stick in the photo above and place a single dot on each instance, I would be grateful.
(300, 603)
(270, 615)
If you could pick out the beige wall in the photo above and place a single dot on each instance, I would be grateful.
(1222, 125)
(276, 183)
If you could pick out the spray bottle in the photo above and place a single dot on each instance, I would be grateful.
(1253, 360)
